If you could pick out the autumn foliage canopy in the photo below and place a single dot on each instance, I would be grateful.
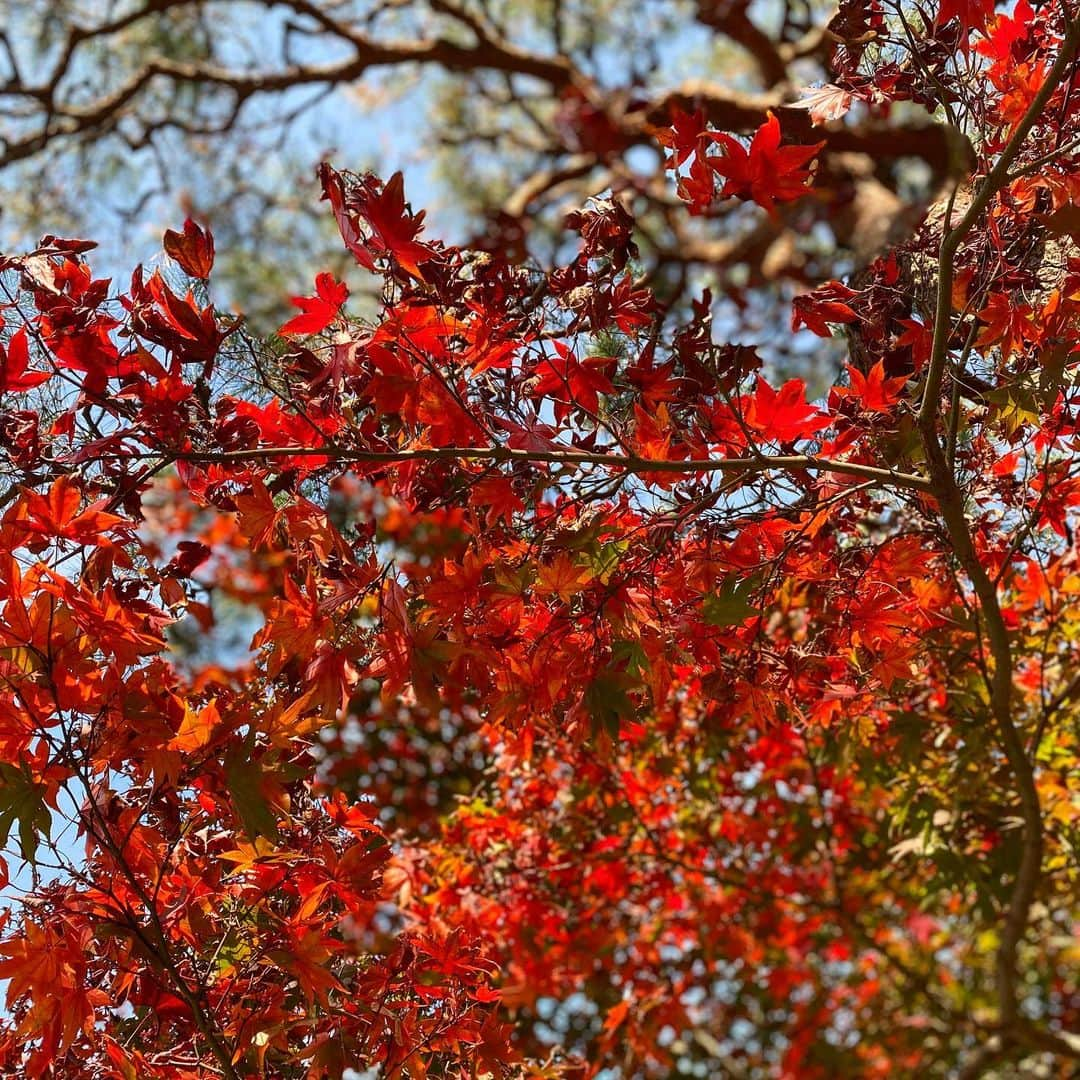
(598, 698)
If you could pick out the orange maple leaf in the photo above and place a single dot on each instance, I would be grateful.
(562, 577)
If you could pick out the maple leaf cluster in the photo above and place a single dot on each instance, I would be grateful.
(763, 172)
(596, 696)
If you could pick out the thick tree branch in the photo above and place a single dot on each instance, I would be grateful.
(951, 505)
(733, 22)
(70, 120)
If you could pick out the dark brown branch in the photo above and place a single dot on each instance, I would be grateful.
(66, 121)
(761, 463)
(733, 22)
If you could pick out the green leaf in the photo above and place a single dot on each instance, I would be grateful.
(1054, 363)
(22, 801)
(608, 704)
(902, 446)
(603, 559)
(630, 655)
(731, 605)
(243, 777)
(1016, 406)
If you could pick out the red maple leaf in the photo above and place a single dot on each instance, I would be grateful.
(1009, 325)
(698, 188)
(193, 249)
(396, 227)
(569, 380)
(57, 514)
(14, 364)
(320, 310)
(767, 172)
(783, 415)
(874, 391)
(826, 304)
(972, 14)
(919, 338)
(1008, 31)
(391, 224)
(686, 136)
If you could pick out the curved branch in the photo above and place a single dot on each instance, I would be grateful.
(487, 54)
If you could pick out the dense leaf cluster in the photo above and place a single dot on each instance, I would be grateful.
(609, 703)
